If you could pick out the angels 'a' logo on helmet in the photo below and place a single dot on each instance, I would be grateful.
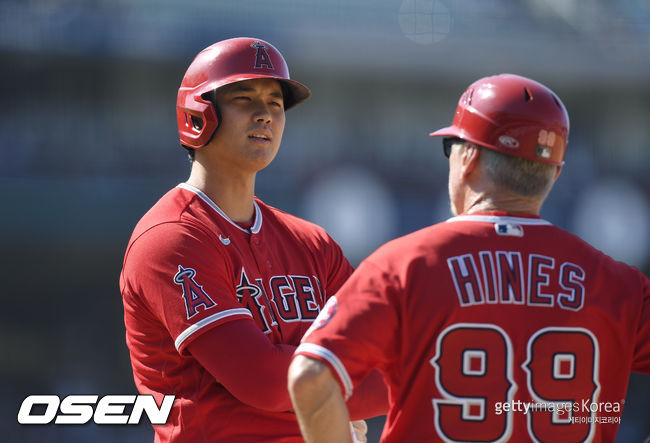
(262, 59)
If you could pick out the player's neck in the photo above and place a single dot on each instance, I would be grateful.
(233, 193)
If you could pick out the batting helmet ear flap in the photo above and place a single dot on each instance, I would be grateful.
(197, 123)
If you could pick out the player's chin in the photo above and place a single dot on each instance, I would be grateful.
(261, 158)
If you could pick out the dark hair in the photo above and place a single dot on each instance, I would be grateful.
(190, 153)
(286, 92)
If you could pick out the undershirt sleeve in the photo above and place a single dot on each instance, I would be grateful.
(240, 357)
(234, 352)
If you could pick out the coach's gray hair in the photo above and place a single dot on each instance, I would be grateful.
(518, 175)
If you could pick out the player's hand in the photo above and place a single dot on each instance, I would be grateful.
(359, 431)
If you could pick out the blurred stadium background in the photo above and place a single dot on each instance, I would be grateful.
(88, 143)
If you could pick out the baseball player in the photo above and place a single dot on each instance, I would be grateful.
(218, 287)
(494, 325)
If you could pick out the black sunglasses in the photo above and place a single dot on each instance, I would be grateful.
(448, 142)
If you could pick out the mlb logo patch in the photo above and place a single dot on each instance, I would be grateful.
(510, 229)
(544, 151)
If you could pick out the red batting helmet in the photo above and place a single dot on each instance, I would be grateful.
(513, 115)
(226, 62)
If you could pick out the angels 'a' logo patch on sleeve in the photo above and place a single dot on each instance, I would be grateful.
(193, 293)
(326, 314)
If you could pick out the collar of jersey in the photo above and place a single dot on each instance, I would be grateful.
(258, 214)
(501, 217)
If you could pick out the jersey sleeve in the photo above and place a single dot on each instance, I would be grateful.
(641, 362)
(338, 267)
(339, 337)
(174, 271)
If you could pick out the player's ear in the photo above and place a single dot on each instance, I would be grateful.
(557, 173)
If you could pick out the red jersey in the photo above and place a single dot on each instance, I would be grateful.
(188, 268)
(491, 327)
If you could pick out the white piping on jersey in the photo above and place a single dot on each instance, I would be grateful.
(206, 321)
(500, 219)
(258, 214)
(317, 350)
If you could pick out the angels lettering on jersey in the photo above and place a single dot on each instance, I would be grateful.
(293, 298)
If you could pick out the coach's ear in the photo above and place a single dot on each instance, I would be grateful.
(469, 155)
(557, 173)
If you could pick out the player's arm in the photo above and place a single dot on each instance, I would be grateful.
(240, 357)
(318, 402)
(254, 370)
(221, 335)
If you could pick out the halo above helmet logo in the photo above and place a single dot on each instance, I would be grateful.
(262, 58)
(508, 142)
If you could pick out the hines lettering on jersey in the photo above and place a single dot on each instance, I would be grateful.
(293, 298)
(506, 277)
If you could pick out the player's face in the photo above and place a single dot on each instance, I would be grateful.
(252, 123)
